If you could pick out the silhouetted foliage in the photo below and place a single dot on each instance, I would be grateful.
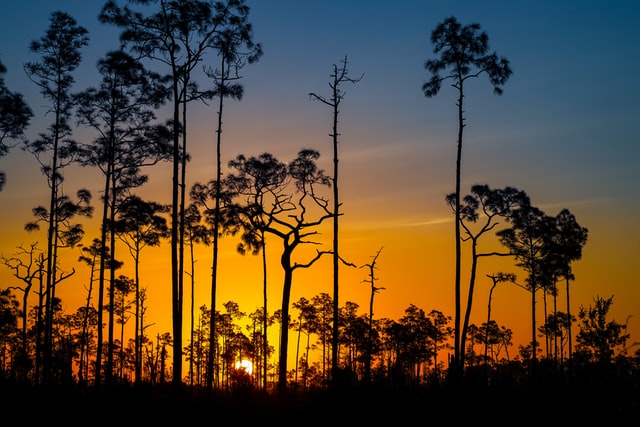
(15, 116)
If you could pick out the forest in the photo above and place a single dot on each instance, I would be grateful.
(326, 353)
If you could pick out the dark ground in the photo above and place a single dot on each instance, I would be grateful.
(127, 406)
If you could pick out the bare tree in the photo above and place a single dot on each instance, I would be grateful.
(374, 289)
(26, 265)
(339, 76)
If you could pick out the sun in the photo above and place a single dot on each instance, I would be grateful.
(245, 365)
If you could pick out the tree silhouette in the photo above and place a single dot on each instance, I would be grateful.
(195, 232)
(139, 224)
(463, 54)
(60, 54)
(479, 213)
(307, 319)
(26, 265)
(374, 289)
(178, 35)
(528, 241)
(599, 336)
(94, 256)
(439, 334)
(339, 76)
(258, 180)
(568, 240)
(15, 116)
(120, 110)
(235, 46)
(287, 217)
(495, 279)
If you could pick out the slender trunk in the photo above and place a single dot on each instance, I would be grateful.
(52, 235)
(175, 265)
(192, 311)
(216, 227)
(545, 310)
(284, 325)
(459, 350)
(336, 205)
(367, 360)
(112, 279)
(569, 326)
(472, 282)
(533, 329)
(137, 341)
(102, 273)
(486, 334)
(298, 348)
(556, 355)
(181, 212)
(265, 345)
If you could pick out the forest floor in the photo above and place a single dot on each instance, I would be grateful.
(126, 406)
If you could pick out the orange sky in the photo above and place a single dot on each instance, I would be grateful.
(555, 133)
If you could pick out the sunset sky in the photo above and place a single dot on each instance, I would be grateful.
(565, 131)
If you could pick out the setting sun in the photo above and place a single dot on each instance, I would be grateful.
(245, 365)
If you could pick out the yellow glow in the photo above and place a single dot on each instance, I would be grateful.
(245, 365)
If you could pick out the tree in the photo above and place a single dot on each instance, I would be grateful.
(15, 116)
(139, 224)
(235, 47)
(528, 240)
(258, 180)
(374, 289)
(323, 305)
(414, 342)
(178, 35)
(123, 287)
(216, 208)
(557, 326)
(9, 336)
(463, 54)
(439, 333)
(60, 51)
(195, 232)
(568, 240)
(339, 76)
(120, 110)
(598, 336)
(307, 318)
(495, 279)
(484, 206)
(292, 214)
(26, 265)
(94, 257)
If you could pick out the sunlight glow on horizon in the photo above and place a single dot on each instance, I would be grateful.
(245, 365)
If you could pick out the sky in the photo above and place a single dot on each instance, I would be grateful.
(564, 131)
